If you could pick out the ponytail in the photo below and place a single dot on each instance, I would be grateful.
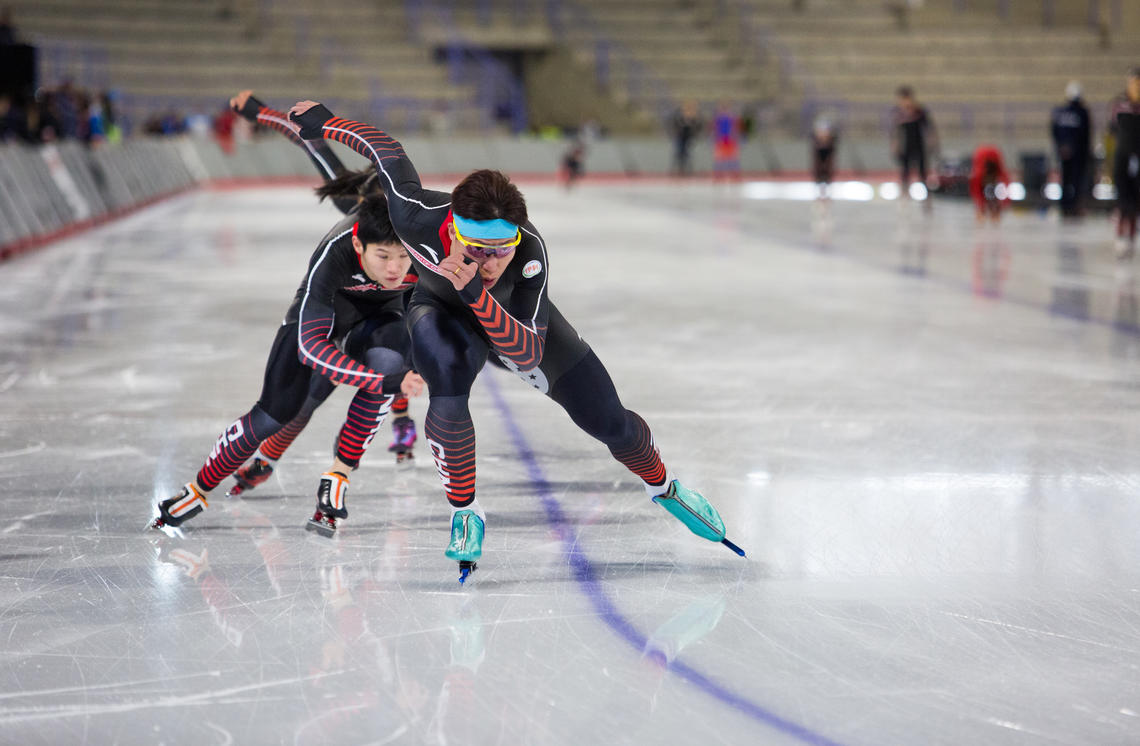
(349, 184)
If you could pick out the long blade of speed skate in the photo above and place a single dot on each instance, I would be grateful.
(733, 547)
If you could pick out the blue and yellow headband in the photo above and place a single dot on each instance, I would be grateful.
(485, 229)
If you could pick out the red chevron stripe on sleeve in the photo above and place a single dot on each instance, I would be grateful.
(318, 353)
(512, 339)
(279, 121)
(373, 144)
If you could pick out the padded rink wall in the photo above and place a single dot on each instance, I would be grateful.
(51, 190)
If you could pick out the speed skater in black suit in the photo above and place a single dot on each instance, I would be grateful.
(483, 272)
(345, 189)
(354, 293)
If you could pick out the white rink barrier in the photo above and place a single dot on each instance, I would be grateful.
(46, 191)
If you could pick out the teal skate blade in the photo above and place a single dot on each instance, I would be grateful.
(699, 517)
(466, 537)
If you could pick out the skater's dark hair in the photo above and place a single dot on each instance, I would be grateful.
(486, 195)
(359, 184)
(1134, 72)
(372, 222)
(990, 171)
(904, 91)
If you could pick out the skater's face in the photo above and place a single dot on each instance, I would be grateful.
(1134, 88)
(385, 263)
(491, 268)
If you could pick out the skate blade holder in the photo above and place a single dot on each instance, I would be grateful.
(173, 532)
(466, 567)
(320, 527)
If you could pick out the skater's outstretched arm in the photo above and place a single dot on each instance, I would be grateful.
(249, 107)
(407, 199)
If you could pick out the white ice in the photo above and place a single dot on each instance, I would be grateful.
(923, 432)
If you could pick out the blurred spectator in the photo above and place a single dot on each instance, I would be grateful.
(224, 129)
(1072, 135)
(989, 183)
(13, 120)
(912, 136)
(168, 123)
(94, 130)
(726, 143)
(572, 160)
(748, 122)
(7, 28)
(46, 118)
(824, 141)
(110, 121)
(686, 125)
(67, 110)
(1124, 125)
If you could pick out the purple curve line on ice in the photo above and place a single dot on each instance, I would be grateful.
(587, 577)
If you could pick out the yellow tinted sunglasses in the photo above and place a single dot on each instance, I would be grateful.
(476, 248)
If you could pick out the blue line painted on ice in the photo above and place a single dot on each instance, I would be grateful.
(587, 577)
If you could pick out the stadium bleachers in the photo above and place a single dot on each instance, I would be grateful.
(984, 69)
(194, 55)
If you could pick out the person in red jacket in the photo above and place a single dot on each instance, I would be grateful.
(989, 183)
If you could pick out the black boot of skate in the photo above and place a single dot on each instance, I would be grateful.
(173, 511)
(331, 493)
(250, 475)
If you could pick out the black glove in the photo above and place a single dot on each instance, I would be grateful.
(250, 109)
(470, 292)
(312, 121)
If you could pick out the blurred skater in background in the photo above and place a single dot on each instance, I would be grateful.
(913, 140)
(989, 183)
(1072, 136)
(1124, 125)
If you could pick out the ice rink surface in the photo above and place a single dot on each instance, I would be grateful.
(923, 433)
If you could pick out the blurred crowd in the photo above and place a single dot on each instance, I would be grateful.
(69, 112)
(62, 112)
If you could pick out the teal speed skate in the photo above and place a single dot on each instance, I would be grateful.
(466, 541)
(699, 516)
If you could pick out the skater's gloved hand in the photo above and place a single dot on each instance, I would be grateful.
(412, 385)
(245, 104)
(311, 117)
(461, 271)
